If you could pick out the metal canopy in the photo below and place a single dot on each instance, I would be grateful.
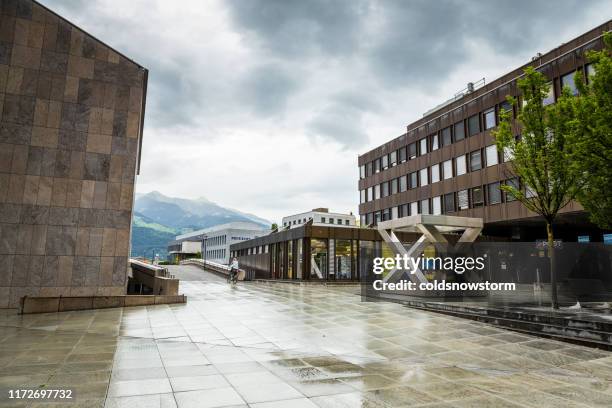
(431, 227)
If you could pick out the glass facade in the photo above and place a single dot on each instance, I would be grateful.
(318, 258)
(344, 259)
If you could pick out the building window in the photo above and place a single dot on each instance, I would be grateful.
(529, 192)
(463, 202)
(386, 215)
(568, 80)
(446, 136)
(393, 188)
(513, 182)
(402, 154)
(362, 196)
(385, 162)
(436, 205)
(425, 206)
(449, 202)
(423, 177)
(394, 213)
(403, 211)
(323, 220)
(590, 71)
(459, 131)
(413, 180)
(414, 208)
(447, 169)
(368, 219)
(377, 191)
(473, 125)
(346, 222)
(331, 220)
(489, 118)
(362, 171)
(423, 146)
(435, 173)
(403, 184)
(508, 154)
(491, 153)
(550, 95)
(460, 167)
(369, 171)
(393, 158)
(475, 160)
(434, 142)
(370, 194)
(505, 106)
(477, 197)
(412, 151)
(494, 195)
(376, 164)
(385, 189)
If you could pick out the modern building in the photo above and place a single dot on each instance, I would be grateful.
(317, 252)
(71, 115)
(179, 250)
(447, 162)
(306, 252)
(214, 242)
(319, 216)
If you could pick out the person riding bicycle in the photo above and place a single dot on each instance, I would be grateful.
(234, 268)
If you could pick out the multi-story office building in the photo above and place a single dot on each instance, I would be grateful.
(319, 216)
(447, 161)
(214, 242)
(71, 114)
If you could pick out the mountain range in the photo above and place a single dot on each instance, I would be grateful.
(158, 219)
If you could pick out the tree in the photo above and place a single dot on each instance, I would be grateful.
(592, 136)
(274, 226)
(540, 156)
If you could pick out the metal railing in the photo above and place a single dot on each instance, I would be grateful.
(215, 267)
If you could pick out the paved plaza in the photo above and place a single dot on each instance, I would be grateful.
(283, 346)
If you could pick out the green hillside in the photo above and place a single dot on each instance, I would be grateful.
(149, 237)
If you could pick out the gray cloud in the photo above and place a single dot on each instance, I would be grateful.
(267, 88)
(298, 27)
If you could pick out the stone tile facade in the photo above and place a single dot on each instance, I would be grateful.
(71, 110)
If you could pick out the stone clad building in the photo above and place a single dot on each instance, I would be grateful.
(71, 114)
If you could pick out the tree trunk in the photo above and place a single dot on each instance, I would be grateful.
(553, 274)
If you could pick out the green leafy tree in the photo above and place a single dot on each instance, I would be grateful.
(274, 226)
(540, 156)
(592, 136)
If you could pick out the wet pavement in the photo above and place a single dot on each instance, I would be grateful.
(289, 346)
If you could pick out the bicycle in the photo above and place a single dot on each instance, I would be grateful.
(232, 278)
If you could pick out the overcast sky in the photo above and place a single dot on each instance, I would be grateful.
(264, 105)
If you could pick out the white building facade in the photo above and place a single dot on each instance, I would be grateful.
(320, 216)
(215, 241)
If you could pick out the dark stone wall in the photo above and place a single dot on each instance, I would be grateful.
(70, 114)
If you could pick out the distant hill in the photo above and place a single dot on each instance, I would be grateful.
(159, 218)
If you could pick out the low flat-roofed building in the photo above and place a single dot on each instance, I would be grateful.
(319, 216)
(312, 252)
(214, 242)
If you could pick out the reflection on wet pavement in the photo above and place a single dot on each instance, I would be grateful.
(293, 346)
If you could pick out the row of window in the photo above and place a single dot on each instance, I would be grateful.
(474, 197)
(433, 142)
(240, 238)
(471, 126)
(472, 161)
(218, 240)
(324, 220)
(215, 254)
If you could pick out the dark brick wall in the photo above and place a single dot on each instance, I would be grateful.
(70, 114)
